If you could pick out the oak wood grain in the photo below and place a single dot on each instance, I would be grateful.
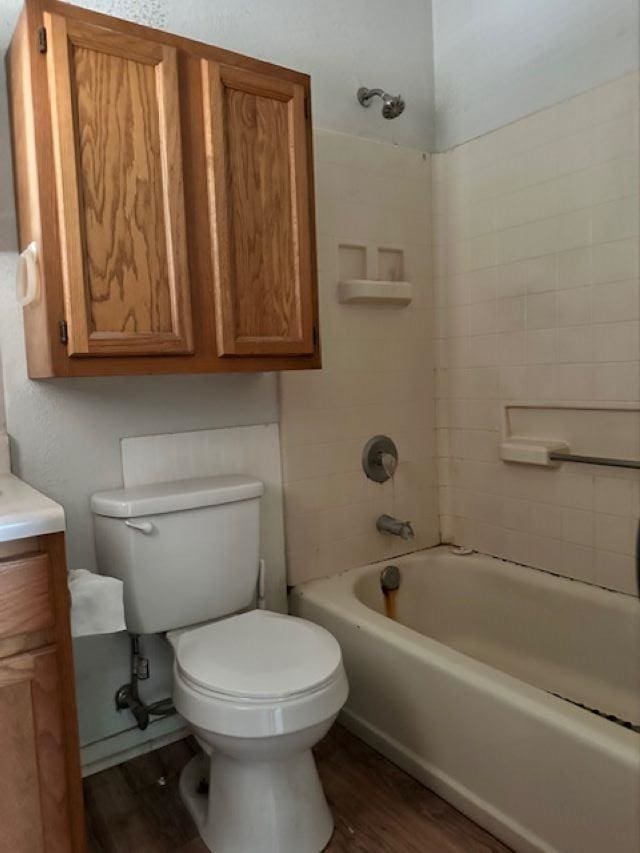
(118, 171)
(18, 547)
(26, 642)
(106, 40)
(47, 355)
(25, 597)
(120, 174)
(67, 184)
(38, 725)
(53, 546)
(50, 705)
(261, 223)
(34, 802)
(26, 184)
(21, 825)
(258, 198)
(192, 47)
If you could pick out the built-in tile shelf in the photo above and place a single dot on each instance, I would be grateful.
(372, 275)
(363, 291)
(533, 432)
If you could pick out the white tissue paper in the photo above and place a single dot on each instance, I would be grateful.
(97, 603)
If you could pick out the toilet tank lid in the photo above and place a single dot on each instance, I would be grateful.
(158, 498)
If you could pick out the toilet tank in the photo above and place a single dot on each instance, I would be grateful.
(187, 551)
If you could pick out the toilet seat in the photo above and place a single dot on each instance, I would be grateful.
(258, 674)
(258, 655)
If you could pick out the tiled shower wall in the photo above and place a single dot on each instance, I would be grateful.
(378, 366)
(535, 234)
(2, 418)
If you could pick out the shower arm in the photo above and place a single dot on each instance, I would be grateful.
(365, 96)
(392, 105)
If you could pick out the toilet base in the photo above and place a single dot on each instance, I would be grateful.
(268, 806)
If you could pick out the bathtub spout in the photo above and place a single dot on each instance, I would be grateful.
(389, 524)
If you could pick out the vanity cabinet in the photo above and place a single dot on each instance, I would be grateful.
(168, 188)
(40, 786)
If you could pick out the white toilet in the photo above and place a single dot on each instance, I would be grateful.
(259, 688)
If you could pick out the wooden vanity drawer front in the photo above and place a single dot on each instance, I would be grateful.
(25, 595)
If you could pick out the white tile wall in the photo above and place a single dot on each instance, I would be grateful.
(5, 459)
(535, 263)
(378, 370)
(5, 462)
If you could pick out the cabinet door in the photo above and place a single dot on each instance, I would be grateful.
(258, 187)
(34, 813)
(118, 168)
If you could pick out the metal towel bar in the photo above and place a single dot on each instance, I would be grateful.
(557, 456)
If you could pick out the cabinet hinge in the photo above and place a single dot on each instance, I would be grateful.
(306, 107)
(315, 336)
(42, 40)
(64, 332)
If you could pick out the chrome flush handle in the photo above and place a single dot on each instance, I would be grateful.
(143, 526)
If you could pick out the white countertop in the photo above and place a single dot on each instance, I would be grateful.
(25, 512)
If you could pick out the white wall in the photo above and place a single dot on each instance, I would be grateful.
(65, 433)
(65, 438)
(499, 60)
(342, 45)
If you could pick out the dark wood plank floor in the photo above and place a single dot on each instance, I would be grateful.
(136, 808)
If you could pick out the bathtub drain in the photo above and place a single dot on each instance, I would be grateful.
(626, 724)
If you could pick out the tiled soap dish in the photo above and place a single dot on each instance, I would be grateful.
(532, 451)
(362, 291)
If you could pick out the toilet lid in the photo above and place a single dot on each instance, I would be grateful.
(259, 655)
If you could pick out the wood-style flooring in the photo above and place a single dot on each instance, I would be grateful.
(136, 808)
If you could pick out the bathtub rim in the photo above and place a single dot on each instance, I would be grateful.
(343, 603)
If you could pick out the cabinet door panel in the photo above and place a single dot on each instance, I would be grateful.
(259, 212)
(25, 596)
(118, 165)
(33, 797)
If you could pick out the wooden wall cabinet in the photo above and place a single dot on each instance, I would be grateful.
(40, 786)
(168, 186)
(115, 112)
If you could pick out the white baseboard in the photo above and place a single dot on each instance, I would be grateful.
(123, 746)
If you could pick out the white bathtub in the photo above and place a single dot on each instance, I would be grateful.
(459, 692)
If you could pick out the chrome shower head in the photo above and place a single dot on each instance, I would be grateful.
(392, 105)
